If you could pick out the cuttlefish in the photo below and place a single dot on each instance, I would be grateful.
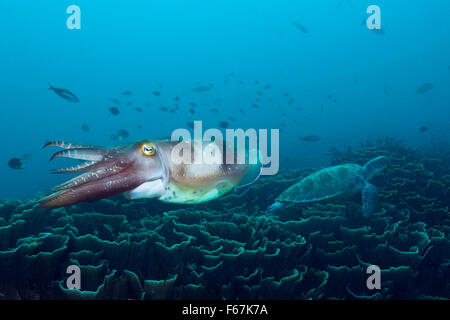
(146, 169)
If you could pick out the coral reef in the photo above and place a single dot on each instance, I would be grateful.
(231, 248)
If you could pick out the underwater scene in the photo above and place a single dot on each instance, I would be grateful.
(225, 150)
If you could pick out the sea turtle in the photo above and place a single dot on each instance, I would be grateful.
(338, 181)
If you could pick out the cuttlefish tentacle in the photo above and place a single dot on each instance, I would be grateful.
(140, 170)
(65, 145)
(100, 189)
(80, 168)
(90, 154)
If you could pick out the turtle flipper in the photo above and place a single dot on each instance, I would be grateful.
(369, 200)
(278, 206)
(274, 207)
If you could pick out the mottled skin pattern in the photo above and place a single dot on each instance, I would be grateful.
(193, 183)
(325, 184)
(143, 169)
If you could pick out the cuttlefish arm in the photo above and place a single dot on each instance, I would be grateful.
(140, 170)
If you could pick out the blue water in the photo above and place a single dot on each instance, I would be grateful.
(138, 45)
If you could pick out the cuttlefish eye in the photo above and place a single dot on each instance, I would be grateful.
(148, 149)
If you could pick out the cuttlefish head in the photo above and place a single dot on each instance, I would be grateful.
(137, 169)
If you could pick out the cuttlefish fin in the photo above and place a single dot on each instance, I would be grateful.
(253, 171)
(181, 194)
(223, 186)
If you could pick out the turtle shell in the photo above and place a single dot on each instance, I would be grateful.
(325, 184)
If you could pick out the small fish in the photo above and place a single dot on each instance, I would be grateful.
(310, 138)
(64, 94)
(192, 110)
(380, 32)
(300, 27)
(156, 93)
(114, 111)
(223, 124)
(164, 109)
(15, 163)
(85, 127)
(267, 86)
(423, 129)
(120, 135)
(424, 88)
(201, 88)
(26, 156)
(193, 104)
(127, 93)
(190, 124)
(130, 104)
(254, 105)
(177, 98)
(191, 266)
(138, 109)
(115, 101)
(214, 110)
